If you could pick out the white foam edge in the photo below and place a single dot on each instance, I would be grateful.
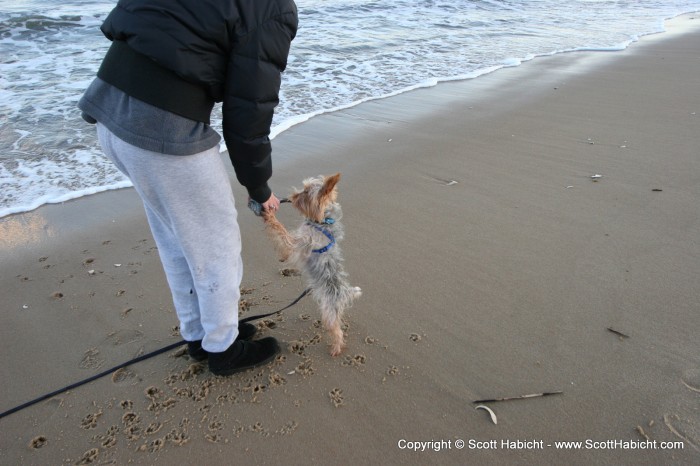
(506, 63)
(58, 199)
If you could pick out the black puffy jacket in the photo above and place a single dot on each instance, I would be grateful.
(233, 51)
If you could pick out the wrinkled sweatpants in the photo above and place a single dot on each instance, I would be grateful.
(190, 209)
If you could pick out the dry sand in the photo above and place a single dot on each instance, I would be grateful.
(492, 265)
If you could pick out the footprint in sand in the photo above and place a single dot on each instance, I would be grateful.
(123, 337)
(125, 376)
(132, 426)
(90, 421)
(133, 432)
(92, 359)
(280, 360)
(258, 427)
(109, 442)
(38, 442)
(109, 439)
(276, 379)
(192, 371)
(336, 397)
(153, 393)
(130, 419)
(180, 353)
(153, 446)
(297, 347)
(132, 265)
(153, 428)
(215, 425)
(288, 428)
(179, 435)
(55, 403)
(305, 368)
(266, 324)
(89, 456)
(355, 361)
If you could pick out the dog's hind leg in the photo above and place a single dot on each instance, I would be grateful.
(331, 319)
(332, 313)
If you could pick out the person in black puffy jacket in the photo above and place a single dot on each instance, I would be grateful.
(169, 62)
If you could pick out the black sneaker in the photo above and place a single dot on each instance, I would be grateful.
(246, 331)
(243, 355)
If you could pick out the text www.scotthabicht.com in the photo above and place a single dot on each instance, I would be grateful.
(589, 444)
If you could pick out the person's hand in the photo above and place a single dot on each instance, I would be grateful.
(272, 204)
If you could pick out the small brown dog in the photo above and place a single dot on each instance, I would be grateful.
(314, 249)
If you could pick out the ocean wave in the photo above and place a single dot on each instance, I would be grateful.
(346, 52)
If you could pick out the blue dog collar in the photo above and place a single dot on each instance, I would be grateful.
(328, 234)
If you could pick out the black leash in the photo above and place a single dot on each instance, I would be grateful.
(262, 316)
(136, 360)
(90, 379)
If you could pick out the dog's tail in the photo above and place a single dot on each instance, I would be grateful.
(335, 293)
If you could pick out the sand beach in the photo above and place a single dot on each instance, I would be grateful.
(534, 230)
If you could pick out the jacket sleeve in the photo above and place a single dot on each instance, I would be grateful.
(253, 78)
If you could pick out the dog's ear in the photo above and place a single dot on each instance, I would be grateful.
(329, 184)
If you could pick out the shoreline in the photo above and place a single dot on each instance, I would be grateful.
(492, 265)
(580, 58)
(672, 24)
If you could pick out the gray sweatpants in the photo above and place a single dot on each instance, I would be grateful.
(191, 212)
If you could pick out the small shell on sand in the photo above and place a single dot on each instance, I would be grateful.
(490, 411)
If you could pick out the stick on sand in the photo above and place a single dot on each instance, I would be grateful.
(521, 397)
